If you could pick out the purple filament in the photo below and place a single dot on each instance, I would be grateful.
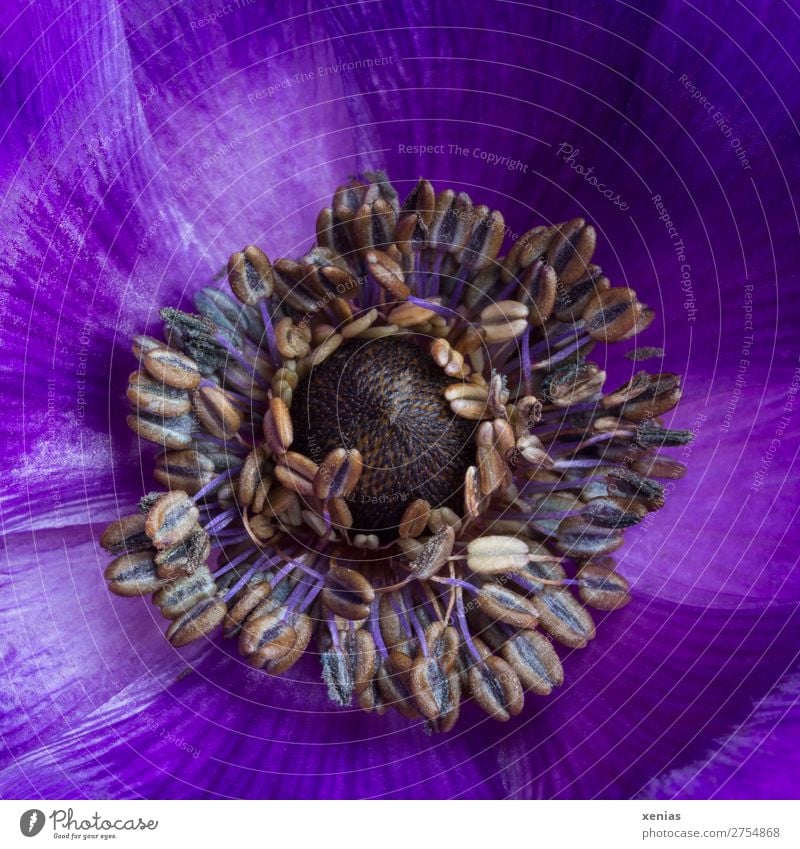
(232, 564)
(526, 361)
(218, 480)
(246, 364)
(416, 624)
(316, 588)
(429, 305)
(241, 582)
(269, 331)
(374, 626)
(222, 520)
(563, 353)
(461, 617)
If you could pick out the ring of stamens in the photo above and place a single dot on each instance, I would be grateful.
(397, 447)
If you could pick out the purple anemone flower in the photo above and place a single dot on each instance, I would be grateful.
(142, 145)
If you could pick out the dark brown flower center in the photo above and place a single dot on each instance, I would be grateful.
(385, 398)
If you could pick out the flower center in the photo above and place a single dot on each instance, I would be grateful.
(385, 398)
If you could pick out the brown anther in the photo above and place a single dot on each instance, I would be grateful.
(466, 392)
(447, 358)
(261, 526)
(414, 519)
(463, 216)
(601, 586)
(395, 692)
(278, 431)
(573, 383)
(291, 282)
(366, 664)
(443, 221)
(185, 558)
(278, 500)
(473, 501)
(530, 248)
(338, 473)
(533, 658)
(359, 325)
(485, 238)
(184, 593)
(187, 470)
(608, 511)
(320, 332)
(470, 343)
(443, 643)
(254, 473)
(572, 300)
(495, 686)
(578, 537)
(645, 396)
(347, 593)
(409, 314)
(422, 201)
(373, 225)
(432, 556)
(387, 273)
(171, 519)
(389, 623)
(659, 466)
(254, 592)
(410, 234)
(267, 638)
(133, 574)
(498, 395)
(197, 622)
(156, 397)
(292, 339)
(216, 412)
(571, 250)
(325, 349)
(297, 472)
(502, 604)
(443, 517)
(611, 314)
(539, 288)
(330, 232)
(335, 277)
(303, 629)
(429, 685)
(172, 368)
(562, 616)
(492, 470)
(250, 275)
(531, 450)
(141, 345)
(126, 535)
(341, 517)
(527, 413)
(503, 321)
